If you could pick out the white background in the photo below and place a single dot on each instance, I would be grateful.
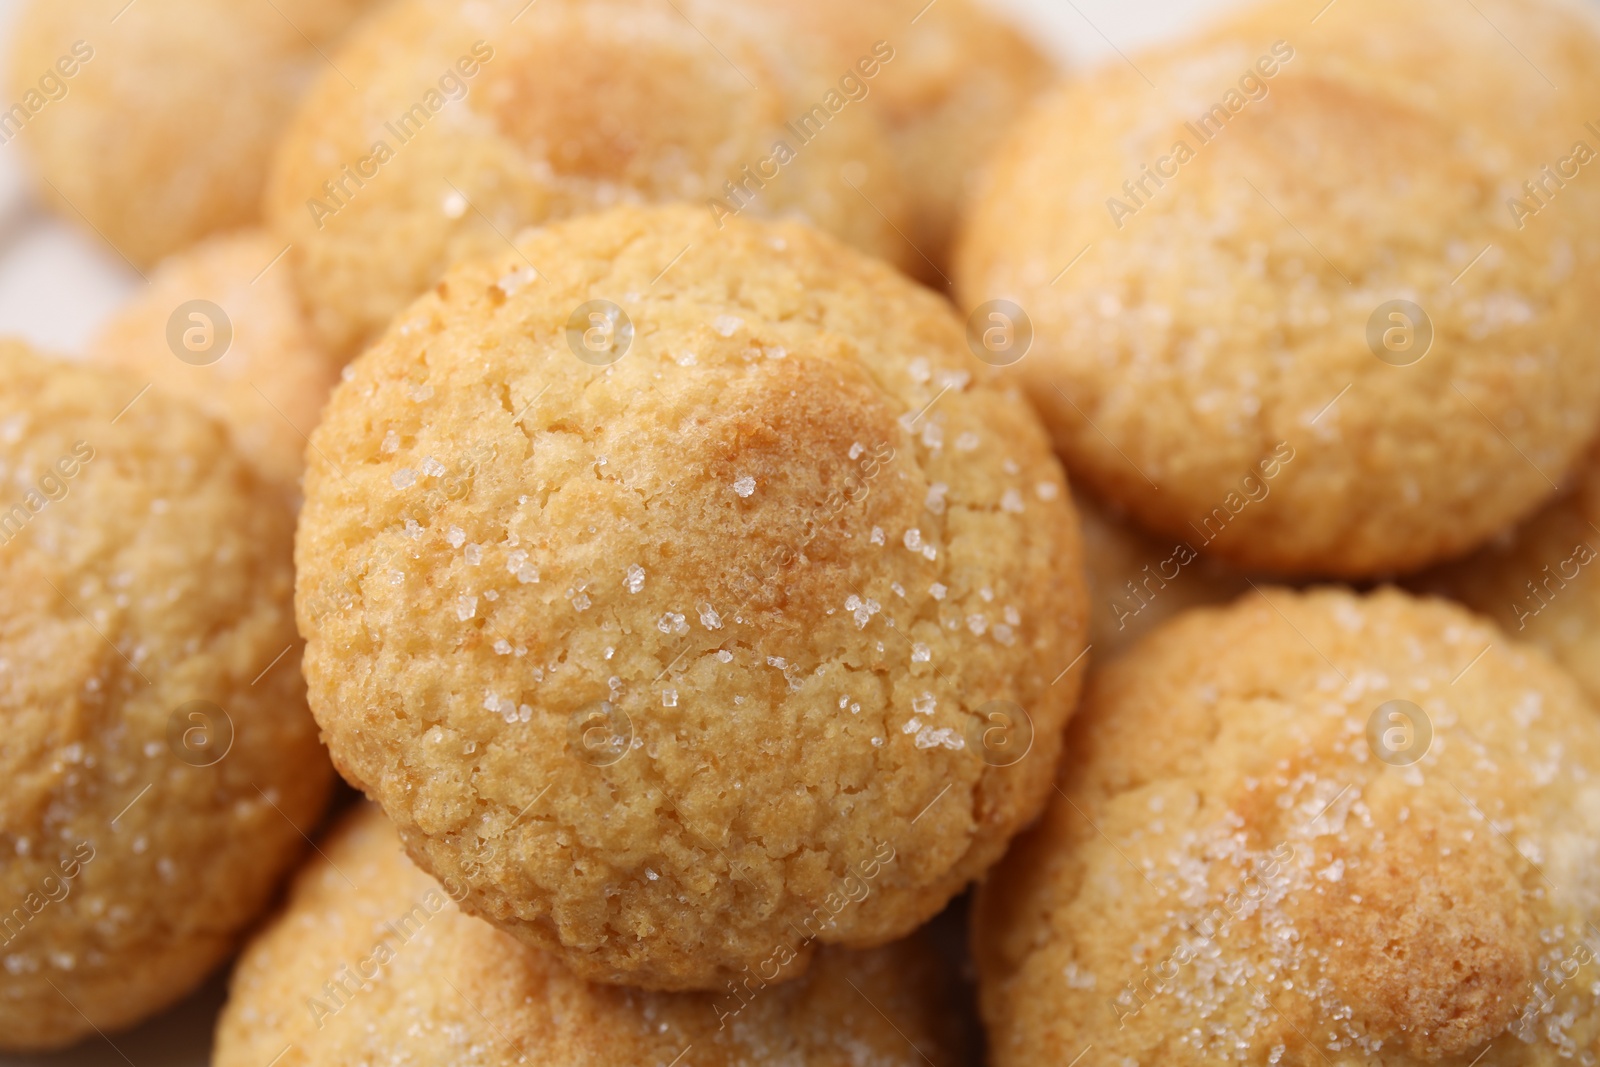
(58, 283)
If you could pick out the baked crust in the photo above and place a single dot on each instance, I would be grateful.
(789, 548)
(157, 762)
(1222, 361)
(372, 962)
(1252, 860)
(568, 107)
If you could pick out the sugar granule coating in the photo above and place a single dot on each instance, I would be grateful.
(1540, 581)
(575, 106)
(1233, 870)
(143, 566)
(160, 124)
(721, 689)
(1221, 316)
(269, 386)
(418, 981)
(958, 77)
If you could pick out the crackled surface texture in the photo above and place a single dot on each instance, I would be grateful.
(142, 566)
(270, 383)
(1220, 316)
(162, 128)
(651, 657)
(1538, 581)
(1233, 874)
(488, 125)
(414, 980)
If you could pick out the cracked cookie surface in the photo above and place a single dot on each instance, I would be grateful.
(1370, 822)
(475, 119)
(656, 658)
(384, 968)
(157, 755)
(1225, 360)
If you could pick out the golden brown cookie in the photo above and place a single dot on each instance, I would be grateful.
(475, 119)
(1138, 580)
(658, 600)
(371, 961)
(1309, 828)
(1538, 580)
(220, 325)
(157, 762)
(154, 121)
(956, 78)
(1295, 301)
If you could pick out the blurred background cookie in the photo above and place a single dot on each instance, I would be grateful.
(158, 763)
(1138, 580)
(220, 325)
(153, 121)
(1296, 301)
(959, 75)
(1538, 580)
(1305, 826)
(659, 604)
(474, 120)
(371, 961)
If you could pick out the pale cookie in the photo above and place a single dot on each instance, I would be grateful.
(1303, 829)
(372, 962)
(475, 119)
(156, 756)
(1310, 250)
(153, 122)
(654, 656)
(955, 77)
(1538, 581)
(220, 325)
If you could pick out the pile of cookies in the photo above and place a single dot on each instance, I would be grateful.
(556, 420)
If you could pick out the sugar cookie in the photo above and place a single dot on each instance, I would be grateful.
(689, 613)
(158, 754)
(1297, 302)
(476, 119)
(383, 966)
(154, 122)
(1305, 827)
(221, 326)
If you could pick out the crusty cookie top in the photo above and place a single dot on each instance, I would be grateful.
(154, 738)
(462, 122)
(371, 962)
(1370, 825)
(1296, 300)
(655, 575)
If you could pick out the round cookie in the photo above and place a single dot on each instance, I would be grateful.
(1226, 360)
(475, 119)
(957, 77)
(249, 359)
(158, 753)
(372, 962)
(154, 123)
(1538, 582)
(1138, 580)
(654, 657)
(1309, 828)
